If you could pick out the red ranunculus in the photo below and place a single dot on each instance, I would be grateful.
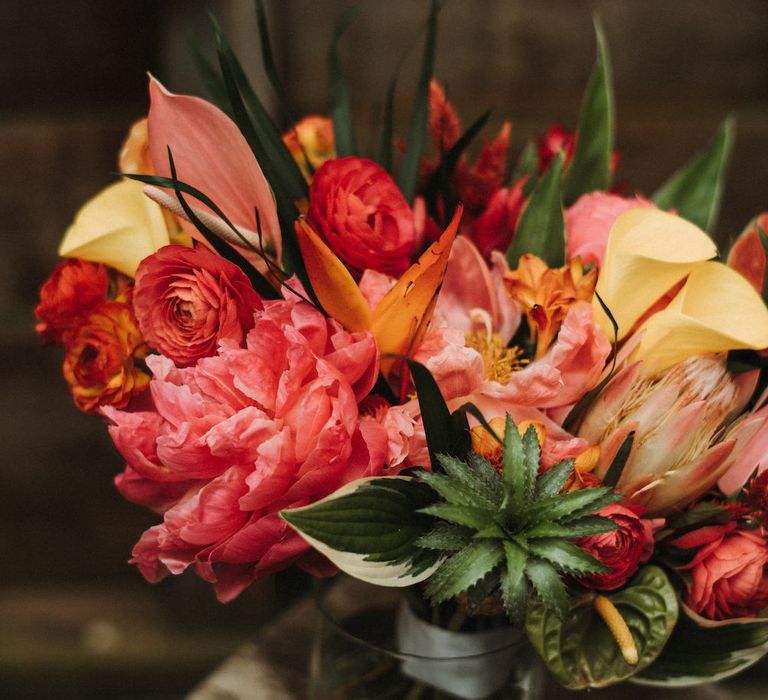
(100, 361)
(622, 550)
(188, 300)
(357, 209)
(74, 288)
(728, 572)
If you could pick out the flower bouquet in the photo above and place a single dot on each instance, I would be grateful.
(505, 386)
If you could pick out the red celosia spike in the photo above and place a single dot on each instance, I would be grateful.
(444, 124)
(487, 173)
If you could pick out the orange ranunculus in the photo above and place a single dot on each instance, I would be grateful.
(546, 294)
(74, 288)
(311, 139)
(100, 361)
(134, 155)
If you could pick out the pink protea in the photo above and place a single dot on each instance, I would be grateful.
(677, 418)
(588, 223)
(243, 434)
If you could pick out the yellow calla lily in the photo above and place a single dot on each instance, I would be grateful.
(400, 319)
(716, 310)
(648, 253)
(119, 227)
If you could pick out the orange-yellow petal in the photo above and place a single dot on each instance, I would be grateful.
(335, 288)
(401, 317)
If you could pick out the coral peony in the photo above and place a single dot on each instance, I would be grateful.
(622, 550)
(357, 209)
(244, 434)
(588, 223)
(188, 300)
(728, 572)
(74, 288)
(100, 361)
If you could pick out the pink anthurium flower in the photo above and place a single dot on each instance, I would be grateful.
(211, 155)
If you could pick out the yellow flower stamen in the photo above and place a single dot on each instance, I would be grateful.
(499, 360)
(618, 627)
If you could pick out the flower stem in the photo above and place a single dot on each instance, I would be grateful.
(618, 627)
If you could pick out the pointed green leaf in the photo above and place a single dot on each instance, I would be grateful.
(552, 480)
(476, 518)
(531, 458)
(566, 557)
(583, 527)
(445, 537)
(453, 491)
(417, 130)
(512, 468)
(695, 191)
(493, 531)
(434, 412)
(590, 168)
(541, 229)
(581, 651)
(210, 79)
(482, 590)
(488, 476)
(257, 126)
(268, 60)
(527, 166)
(485, 487)
(463, 569)
(568, 504)
(341, 112)
(616, 469)
(548, 585)
(514, 586)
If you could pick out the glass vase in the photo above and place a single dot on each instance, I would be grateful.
(370, 644)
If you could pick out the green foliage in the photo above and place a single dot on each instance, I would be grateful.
(515, 525)
(541, 229)
(417, 129)
(590, 168)
(341, 112)
(695, 191)
(702, 650)
(581, 650)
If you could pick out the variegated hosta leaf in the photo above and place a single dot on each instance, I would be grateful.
(368, 529)
(704, 651)
(581, 650)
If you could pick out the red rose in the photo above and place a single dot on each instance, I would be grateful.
(622, 550)
(74, 288)
(99, 364)
(188, 300)
(728, 572)
(357, 209)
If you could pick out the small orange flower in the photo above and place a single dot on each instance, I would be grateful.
(487, 446)
(100, 361)
(546, 294)
(311, 138)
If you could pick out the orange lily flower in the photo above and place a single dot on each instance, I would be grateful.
(400, 319)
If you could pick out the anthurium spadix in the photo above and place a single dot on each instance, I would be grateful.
(119, 227)
(401, 317)
(211, 154)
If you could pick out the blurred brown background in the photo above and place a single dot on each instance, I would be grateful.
(75, 619)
